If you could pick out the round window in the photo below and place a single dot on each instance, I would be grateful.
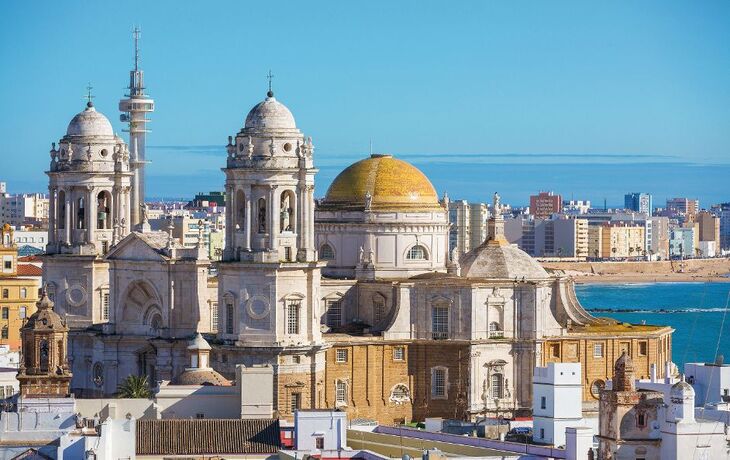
(287, 147)
(104, 153)
(596, 388)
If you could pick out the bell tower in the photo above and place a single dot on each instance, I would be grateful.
(44, 370)
(269, 277)
(89, 212)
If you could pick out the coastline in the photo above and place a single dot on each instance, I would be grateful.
(715, 270)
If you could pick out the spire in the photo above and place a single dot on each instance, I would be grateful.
(136, 33)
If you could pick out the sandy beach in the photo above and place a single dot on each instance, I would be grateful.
(701, 270)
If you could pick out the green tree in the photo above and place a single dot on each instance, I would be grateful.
(134, 386)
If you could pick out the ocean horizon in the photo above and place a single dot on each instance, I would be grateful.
(699, 313)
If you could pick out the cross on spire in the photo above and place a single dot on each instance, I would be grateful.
(89, 96)
(270, 76)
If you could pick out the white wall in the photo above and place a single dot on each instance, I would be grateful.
(559, 386)
(328, 424)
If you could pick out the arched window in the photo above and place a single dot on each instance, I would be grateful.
(262, 215)
(497, 386)
(495, 330)
(103, 214)
(51, 291)
(61, 206)
(417, 252)
(81, 214)
(43, 355)
(287, 222)
(240, 209)
(326, 252)
(400, 393)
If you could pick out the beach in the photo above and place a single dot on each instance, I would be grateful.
(705, 270)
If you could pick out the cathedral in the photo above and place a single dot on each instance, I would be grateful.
(353, 300)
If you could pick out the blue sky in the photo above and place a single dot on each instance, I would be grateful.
(590, 99)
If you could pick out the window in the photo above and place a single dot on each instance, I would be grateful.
(497, 387)
(543, 402)
(104, 247)
(287, 253)
(643, 348)
(416, 252)
(598, 350)
(6, 293)
(334, 313)
(399, 393)
(495, 331)
(341, 355)
(296, 359)
(229, 315)
(23, 293)
(22, 312)
(378, 311)
(440, 323)
(199, 415)
(326, 252)
(292, 317)
(542, 433)
(596, 388)
(4, 333)
(319, 442)
(51, 292)
(105, 305)
(8, 265)
(214, 316)
(438, 382)
(341, 392)
(399, 354)
(641, 420)
(6, 312)
(555, 350)
(294, 402)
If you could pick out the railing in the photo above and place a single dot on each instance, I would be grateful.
(545, 451)
(439, 335)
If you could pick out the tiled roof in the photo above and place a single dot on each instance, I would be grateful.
(28, 251)
(30, 258)
(29, 270)
(207, 437)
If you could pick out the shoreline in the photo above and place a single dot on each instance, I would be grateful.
(642, 278)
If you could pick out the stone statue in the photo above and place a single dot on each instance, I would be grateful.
(285, 214)
(497, 208)
(143, 211)
(88, 152)
(371, 256)
(361, 255)
(368, 200)
(455, 256)
(272, 147)
(249, 147)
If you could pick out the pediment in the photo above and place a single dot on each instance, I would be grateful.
(132, 247)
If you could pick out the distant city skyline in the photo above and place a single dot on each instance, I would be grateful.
(589, 100)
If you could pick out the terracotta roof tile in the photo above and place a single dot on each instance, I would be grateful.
(207, 436)
(29, 270)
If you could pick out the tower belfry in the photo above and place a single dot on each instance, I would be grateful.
(134, 110)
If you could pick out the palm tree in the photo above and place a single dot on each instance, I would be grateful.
(134, 386)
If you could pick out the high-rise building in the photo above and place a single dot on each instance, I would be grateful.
(639, 202)
(616, 240)
(725, 225)
(556, 237)
(30, 209)
(468, 225)
(683, 206)
(545, 204)
(709, 227)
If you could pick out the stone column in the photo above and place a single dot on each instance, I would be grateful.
(52, 231)
(67, 223)
(249, 221)
(230, 224)
(90, 213)
(309, 219)
(273, 219)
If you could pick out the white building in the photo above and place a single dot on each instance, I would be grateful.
(24, 209)
(711, 381)
(557, 397)
(34, 238)
(318, 430)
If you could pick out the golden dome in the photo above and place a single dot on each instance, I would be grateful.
(392, 184)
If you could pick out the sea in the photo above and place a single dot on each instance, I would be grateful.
(698, 312)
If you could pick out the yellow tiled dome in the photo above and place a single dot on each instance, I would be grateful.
(392, 184)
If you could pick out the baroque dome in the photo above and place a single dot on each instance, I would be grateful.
(89, 123)
(497, 258)
(392, 184)
(270, 115)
